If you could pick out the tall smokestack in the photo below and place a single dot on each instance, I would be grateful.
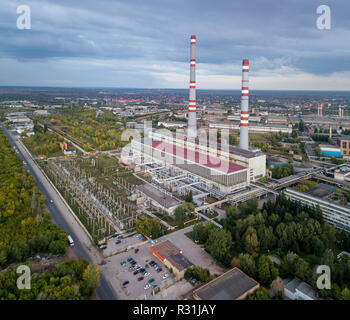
(340, 113)
(243, 143)
(192, 115)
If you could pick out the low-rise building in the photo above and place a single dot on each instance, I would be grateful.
(329, 150)
(172, 257)
(295, 289)
(158, 199)
(232, 285)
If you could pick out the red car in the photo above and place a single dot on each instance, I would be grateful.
(140, 279)
(144, 239)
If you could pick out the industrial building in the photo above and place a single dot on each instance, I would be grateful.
(186, 162)
(334, 214)
(254, 128)
(344, 143)
(172, 257)
(157, 198)
(20, 122)
(329, 150)
(215, 173)
(232, 285)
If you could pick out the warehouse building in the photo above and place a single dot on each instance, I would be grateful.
(172, 257)
(158, 198)
(232, 285)
(329, 150)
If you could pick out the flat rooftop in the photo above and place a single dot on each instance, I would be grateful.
(230, 286)
(232, 149)
(198, 158)
(167, 251)
(297, 284)
(322, 190)
(159, 196)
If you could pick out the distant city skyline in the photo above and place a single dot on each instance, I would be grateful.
(145, 44)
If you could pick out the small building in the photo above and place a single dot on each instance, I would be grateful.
(232, 285)
(172, 257)
(344, 144)
(329, 150)
(69, 152)
(297, 289)
(342, 174)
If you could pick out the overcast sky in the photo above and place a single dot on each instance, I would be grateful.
(145, 44)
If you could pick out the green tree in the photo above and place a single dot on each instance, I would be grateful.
(149, 227)
(247, 264)
(91, 276)
(266, 270)
(219, 244)
(259, 294)
(57, 247)
(189, 197)
(251, 241)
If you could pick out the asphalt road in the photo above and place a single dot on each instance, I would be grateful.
(104, 291)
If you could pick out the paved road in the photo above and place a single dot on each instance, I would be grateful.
(83, 247)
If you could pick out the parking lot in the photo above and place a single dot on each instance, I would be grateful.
(135, 288)
(122, 243)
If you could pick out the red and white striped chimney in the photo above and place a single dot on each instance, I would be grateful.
(244, 123)
(192, 114)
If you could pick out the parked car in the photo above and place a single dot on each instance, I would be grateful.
(140, 279)
(155, 266)
(133, 262)
(136, 272)
(146, 274)
(151, 263)
(151, 280)
(146, 265)
(103, 247)
(125, 283)
(154, 286)
(147, 286)
(159, 270)
(165, 276)
(117, 242)
(120, 236)
(130, 259)
(123, 263)
(137, 250)
(144, 239)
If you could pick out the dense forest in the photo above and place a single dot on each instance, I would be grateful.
(101, 132)
(44, 143)
(70, 280)
(25, 227)
(25, 230)
(295, 233)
